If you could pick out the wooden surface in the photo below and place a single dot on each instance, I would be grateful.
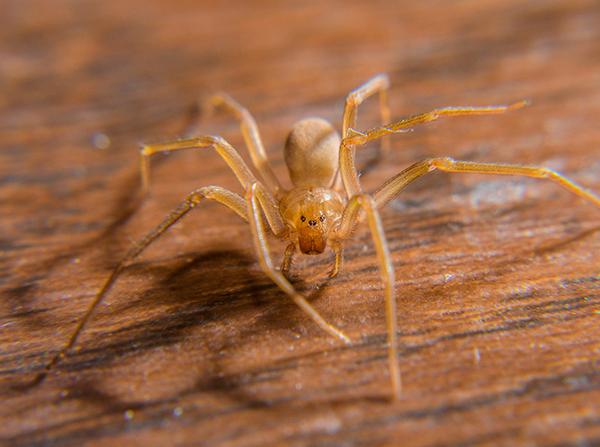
(497, 279)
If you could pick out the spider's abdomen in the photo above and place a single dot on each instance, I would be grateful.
(311, 153)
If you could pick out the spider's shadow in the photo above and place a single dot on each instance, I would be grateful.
(214, 287)
(154, 412)
(127, 202)
(22, 297)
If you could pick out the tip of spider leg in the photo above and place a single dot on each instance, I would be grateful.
(346, 339)
(38, 379)
(520, 104)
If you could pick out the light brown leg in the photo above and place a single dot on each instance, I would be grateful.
(229, 199)
(233, 160)
(251, 136)
(396, 184)
(377, 84)
(355, 138)
(367, 203)
(223, 148)
(264, 258)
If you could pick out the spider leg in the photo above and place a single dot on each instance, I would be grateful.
(368, 205)
(250, 133)
(355, 138)
(396, 184)
(264, 258)
(377, 84)
(233, 160)
(390, 189)
(223, 148)
(229, 199)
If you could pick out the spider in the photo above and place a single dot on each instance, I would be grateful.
(326, 201)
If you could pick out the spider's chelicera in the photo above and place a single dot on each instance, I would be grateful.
(326, 201)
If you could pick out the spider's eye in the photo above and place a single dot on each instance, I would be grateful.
(303, 219)
(322, 218)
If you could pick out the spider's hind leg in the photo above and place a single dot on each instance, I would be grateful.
(377, 84)
(250, 133)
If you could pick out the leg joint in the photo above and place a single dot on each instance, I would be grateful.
(351, 99)
(146, 150)
(366, 200)
(547, 172)
(440, 163)
(206, 192)
(217, 141)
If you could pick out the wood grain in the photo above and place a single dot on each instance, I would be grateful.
(497, 279)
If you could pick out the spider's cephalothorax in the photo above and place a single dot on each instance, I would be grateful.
(312, 209)
(319, 210)
(312, 214)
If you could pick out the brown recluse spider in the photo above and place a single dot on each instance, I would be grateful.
(320, 210)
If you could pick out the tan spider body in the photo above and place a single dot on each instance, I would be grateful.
(326, 201)
(312, 210)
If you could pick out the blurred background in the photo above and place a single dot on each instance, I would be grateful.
(83, 83)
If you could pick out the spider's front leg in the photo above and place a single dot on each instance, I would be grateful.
(264, 258)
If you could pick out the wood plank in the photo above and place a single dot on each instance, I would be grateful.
(497, 278)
